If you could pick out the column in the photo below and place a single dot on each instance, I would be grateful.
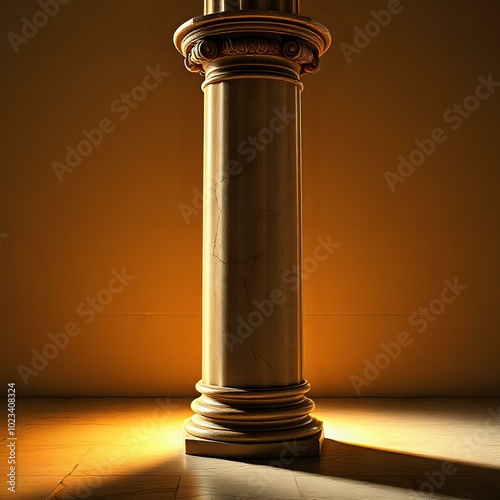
(252, 54)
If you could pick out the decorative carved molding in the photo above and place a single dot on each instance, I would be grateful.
(207, 50)
(202, 52)
(298, 51)
(246, 46)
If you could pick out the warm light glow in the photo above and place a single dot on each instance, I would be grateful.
(406, 430)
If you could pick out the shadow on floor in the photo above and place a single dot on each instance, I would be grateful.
(341, 460)
(229, 479)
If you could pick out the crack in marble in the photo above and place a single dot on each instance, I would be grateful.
(216, 235)
(245, 283)
(278, 333)
(255, 359)
(269, 364)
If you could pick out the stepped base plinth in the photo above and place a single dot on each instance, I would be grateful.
(253, 423)
(284, 451)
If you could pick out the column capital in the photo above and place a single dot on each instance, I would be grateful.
(273, 37)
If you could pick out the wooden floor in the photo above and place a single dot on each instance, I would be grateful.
(374, 449)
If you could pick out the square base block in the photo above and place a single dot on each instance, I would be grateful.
(308, 447)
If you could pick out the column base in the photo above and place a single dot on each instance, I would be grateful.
(305, 447)
(253, 423)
